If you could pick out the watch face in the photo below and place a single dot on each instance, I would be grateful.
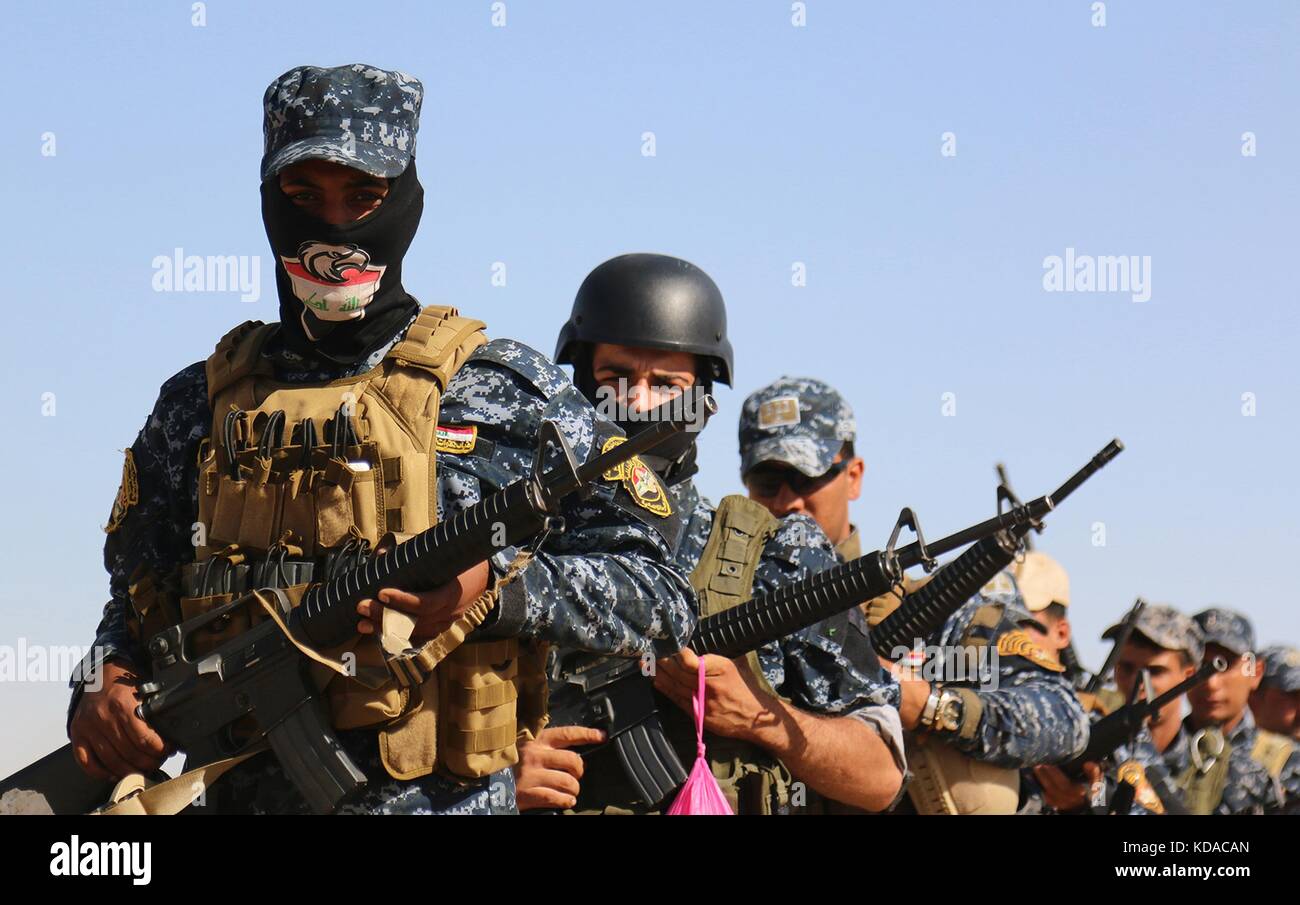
(949, 715)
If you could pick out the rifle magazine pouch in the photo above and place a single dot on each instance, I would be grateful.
(298, 507)
(533, 692)
(261, 509)
(334, 517)
(154, 606)
(353, 704)
(478, 698)
(222, 629)
(227, 501)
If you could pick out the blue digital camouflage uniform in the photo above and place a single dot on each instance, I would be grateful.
(1249, 789)
(1030, 714)
(601, 585)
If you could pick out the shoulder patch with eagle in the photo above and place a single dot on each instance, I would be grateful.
(639, 480)
(128, 494)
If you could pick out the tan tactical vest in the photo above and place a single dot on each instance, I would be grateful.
(1202, 787)
(1271, 751)
(464, 716)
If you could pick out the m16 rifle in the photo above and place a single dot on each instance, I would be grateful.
(261, 677)
(616, 694)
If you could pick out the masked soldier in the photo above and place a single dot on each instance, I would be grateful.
(1223, 763)
(815, 707)
(1276, 703)
(298, 445)
(971, 734)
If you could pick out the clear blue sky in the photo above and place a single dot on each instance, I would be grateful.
(775, 144)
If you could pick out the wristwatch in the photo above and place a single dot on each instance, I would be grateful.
(947, 716)
(942, 711)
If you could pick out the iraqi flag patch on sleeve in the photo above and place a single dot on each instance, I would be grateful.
(455, 439)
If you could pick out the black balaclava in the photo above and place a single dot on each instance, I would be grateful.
(674, 458)
(340, 287)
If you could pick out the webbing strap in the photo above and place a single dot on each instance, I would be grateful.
(136, 795)
(413, 665)
(491, 738)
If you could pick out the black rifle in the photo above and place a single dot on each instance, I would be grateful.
(1121, 638)
(925, 610)
(1116, 728)
(194, 701)
(1074, 669)
(614, 694)
(1004, 482)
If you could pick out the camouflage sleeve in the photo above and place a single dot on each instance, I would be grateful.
(1030, 717)
(149, 526)
(828, 668)
(605, 583)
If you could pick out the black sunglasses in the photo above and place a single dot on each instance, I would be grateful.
(767, 481)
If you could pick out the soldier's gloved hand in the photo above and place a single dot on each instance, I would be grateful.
(734, 704)
(877, 608)
(435, 610)
(108, 740)
(547, 774)
(1062, 792)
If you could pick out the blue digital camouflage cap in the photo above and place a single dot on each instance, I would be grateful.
(1281, 667)
(1166, 627)
(1227, 628)
(356, 115)
(796, 421)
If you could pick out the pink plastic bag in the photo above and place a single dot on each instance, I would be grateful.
(700, 794)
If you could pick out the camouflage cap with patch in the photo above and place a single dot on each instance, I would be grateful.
(357, 115)
(1226, 628)
(1281, 667)
(795, 421)
(1166, 627)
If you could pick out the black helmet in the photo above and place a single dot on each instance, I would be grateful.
(654, 301)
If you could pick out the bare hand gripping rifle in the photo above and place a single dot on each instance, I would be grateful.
(194, 701)
(615, 694)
